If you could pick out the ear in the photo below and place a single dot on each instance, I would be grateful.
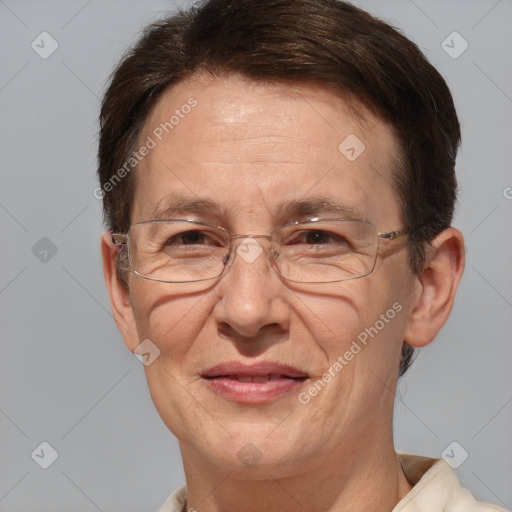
(438, 285)
(119, 293)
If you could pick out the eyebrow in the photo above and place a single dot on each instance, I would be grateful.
(314, 206)
(177, 204)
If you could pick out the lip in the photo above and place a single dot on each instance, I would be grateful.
(255, 387)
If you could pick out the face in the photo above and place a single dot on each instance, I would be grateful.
(250, 150)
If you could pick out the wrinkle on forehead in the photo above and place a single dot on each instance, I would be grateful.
(272, 139)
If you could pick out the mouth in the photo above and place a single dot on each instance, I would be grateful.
(255, 383)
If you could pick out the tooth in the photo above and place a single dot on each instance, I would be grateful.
(275, 377)
(260, 378)
(244, 378)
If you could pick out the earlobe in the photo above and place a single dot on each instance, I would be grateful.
(438, 285)
(118, 293)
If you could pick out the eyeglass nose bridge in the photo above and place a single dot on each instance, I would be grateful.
(238, 235)
(273, 253)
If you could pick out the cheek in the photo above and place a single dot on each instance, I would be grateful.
(343, 309)
(387, 302)
(171, 319)
(364, 321)
(172, 322)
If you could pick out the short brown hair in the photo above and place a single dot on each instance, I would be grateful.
(328, 42)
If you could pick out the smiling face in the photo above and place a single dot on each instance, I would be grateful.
(249, 157)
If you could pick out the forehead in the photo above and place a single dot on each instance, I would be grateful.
(230, 147)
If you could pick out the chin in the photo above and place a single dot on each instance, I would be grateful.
(251, 463)
(250, 456)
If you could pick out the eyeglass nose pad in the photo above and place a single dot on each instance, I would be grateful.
(274, 253)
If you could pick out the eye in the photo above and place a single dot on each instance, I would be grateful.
(193, 237)
(317, 237)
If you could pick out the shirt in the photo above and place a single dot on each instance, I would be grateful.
(435, 489)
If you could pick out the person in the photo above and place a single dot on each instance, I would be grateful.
(278, 187)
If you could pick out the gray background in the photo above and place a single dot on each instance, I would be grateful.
(66, 377)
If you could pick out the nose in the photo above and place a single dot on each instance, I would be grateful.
(250, 294)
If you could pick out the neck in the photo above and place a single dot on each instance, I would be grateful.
(363, 480)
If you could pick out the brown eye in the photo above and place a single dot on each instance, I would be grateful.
(317, 237)
(192, 237)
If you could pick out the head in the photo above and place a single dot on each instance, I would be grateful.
(244, 107)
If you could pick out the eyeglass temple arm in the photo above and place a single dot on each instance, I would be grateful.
(119, 239)
(394, 234)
